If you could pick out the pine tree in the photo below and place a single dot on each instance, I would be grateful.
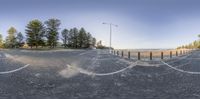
(93, 42)
(88, 40)
(19, 39)
(35, 33)
(65, 37)
(70, 40)
(82, 37)
(52, 32)
(74, 37)
(11, 38)
(1, 41)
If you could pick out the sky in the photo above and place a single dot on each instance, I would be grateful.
(141, 23)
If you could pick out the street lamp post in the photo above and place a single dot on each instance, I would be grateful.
(110, 24)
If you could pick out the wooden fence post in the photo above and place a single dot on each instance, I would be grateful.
(122, 54)
(129, 55)
(114, 52)
(176, 53)
(150, 55)
(138, 55)
(162, 55)
(170, 54)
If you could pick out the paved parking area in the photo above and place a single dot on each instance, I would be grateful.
(48, 77)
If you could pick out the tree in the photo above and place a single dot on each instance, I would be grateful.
(199, 41)
(11, 38)
(88, 40)
(19, 39)
(65, 37)
(52, 32)
(199, 36)
(35, 33)
(195, 44)
(76, 32)
(1, 41)
(93, 42)
(73, 38)
(70, 39)
(99, 45)
(82, 38)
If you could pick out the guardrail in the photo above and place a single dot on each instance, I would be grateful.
(151, 55)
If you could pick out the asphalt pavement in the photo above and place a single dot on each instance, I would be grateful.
(49, 77)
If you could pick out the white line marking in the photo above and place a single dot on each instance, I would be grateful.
(179, 58)
(85, 52)
(102, 74)
(180, 70)
(12, 71)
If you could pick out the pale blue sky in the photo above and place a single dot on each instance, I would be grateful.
(142, 23)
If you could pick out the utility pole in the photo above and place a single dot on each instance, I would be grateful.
(110, 24)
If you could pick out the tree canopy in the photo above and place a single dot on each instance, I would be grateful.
(11, 38)
(52, 34)
(35, 33)
(1, 41)
(40, 34)
(194, 45)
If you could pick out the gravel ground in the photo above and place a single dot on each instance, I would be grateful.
(48, 77)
